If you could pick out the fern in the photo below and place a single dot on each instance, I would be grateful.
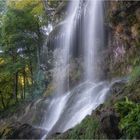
(130, 118)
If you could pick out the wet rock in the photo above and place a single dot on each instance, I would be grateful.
(21, 131)
(7, 129)
(118, 87)
(27, 131)
(34, 112)
(109, 125)
(138, 14)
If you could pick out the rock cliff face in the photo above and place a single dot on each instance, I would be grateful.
(124, 44)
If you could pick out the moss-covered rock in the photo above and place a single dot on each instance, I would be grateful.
(88, 129)
(124, 20)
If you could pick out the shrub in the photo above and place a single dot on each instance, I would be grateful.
(130, 118)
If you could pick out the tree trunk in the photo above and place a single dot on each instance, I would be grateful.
(16, 86)
(30, 65)
(2, 101)
(31, 71)
(39, 42)
(24, 81)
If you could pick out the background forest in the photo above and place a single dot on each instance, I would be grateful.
(22, 24)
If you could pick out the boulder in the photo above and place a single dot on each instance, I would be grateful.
(7, 129)
(109, 124)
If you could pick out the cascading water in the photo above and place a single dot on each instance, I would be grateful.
(61, 68)
(92, 36)
(65, 110)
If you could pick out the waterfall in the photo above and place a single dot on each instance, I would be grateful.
(69, 107)
(62, 54)
(61, 66)
(92, 37)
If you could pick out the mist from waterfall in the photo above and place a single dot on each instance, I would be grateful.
(67, 109)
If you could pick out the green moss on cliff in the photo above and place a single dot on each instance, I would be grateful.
(88, 129)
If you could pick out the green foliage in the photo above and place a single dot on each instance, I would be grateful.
(18, 29)
(124, 107)
(130, 118)
(20, 42)
(135, 74)
(87, 129)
